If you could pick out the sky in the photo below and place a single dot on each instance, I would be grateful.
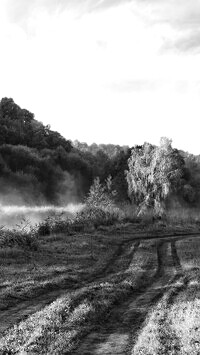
(105, 71)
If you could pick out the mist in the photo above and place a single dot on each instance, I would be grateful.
(12, 216)
(27, 205)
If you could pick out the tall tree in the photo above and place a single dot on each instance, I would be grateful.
(153, 173)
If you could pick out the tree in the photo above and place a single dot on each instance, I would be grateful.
(118, 164)
(153, 173)
(101, 194)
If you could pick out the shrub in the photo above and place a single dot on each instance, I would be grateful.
(44, 229)
(23, 239)
(96, 216)
(101, 195)
(54, 224)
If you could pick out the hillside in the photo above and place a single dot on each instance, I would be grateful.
(38, 165)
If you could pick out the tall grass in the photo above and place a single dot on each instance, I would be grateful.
(19, 238)
(183, 215)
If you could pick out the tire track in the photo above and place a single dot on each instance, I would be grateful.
(120, 333)
(24, 309)
(163, 283)
(167, 341)
(119, 261)
(113, 337)
(177, 263)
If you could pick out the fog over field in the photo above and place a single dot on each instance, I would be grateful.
(12, 215)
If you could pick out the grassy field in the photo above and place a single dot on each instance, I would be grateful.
(121, 289)
(60, 262)
(173, 325)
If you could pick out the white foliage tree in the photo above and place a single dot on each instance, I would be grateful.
(154, 172)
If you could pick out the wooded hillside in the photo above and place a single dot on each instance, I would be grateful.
(39, 165)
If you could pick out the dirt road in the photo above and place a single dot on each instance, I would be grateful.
(119, 333)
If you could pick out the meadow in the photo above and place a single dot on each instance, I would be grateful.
(125, 287)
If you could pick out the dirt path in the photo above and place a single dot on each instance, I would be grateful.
(119, 262)
(119, 334)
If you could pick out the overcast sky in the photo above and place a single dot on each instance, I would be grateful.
(105, 71)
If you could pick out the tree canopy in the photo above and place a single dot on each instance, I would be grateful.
(153, 173)
(39, 164)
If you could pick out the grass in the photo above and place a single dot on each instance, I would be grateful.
(62, 261)
(183, 216)
(183, 319)
(19, 238)
(58, 327)
(91, 217)
(72, 261)
(56, 261)
(174, 217)
(87, 219)
(172, 326)
(189, 253)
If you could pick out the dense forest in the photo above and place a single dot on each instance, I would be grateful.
(38, 165)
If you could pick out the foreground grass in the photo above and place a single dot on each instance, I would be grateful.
(173, 326)
(58, 327)
(66, 262)
(188, 217)
(189, 253)
(61, 262)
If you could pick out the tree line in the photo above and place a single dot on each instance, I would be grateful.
(40, 165)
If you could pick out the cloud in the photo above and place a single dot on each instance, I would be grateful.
(188, 42)
(133, 85)
(151, 86)
(177, 13)
(181, 18)
(21, 10)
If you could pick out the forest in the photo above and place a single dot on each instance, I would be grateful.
(38, 165)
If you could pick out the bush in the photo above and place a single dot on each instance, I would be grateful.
(96, 216)
(55, 224)
(101, 195)
(23, 239)
(44, 229)
(99, 210)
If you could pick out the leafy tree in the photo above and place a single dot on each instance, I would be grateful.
(101, 195)
(117, 166)
(154, 172)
